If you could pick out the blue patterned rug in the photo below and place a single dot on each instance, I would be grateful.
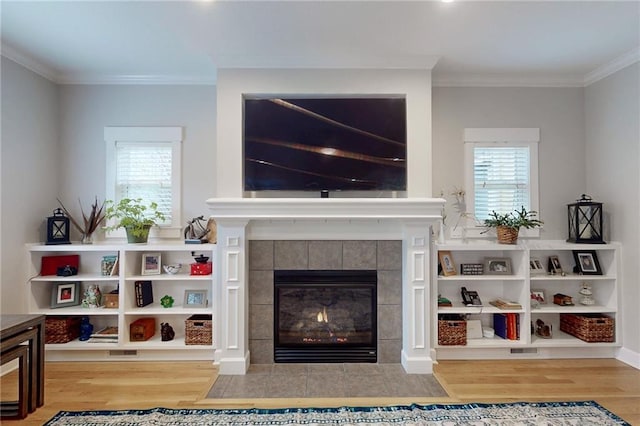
(521, 413)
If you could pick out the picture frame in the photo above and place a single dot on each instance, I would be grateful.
(195, 299)
(538, 296)
(536, 267)
(497, 265)
(446, 262)
(151, 264)
(587, 262)
(65, 294)
(554, 265)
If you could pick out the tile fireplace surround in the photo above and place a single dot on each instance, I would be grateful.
(241, 220)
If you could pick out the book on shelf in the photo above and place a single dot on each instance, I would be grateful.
(109, 331)
(144, 293)
(500, 325)
(108, 266)
(115, 268)
(505, 304)
(507, 325)
(105, 335)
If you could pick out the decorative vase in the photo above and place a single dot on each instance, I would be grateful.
(507, 235)
(86, 239)
(86, 328)
(138, 239)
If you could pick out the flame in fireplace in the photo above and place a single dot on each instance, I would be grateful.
(322, 316)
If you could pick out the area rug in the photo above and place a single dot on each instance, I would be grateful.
(583, 413)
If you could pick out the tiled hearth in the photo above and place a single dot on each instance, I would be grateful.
(267, 256)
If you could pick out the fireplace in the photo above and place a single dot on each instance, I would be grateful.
(325, 316)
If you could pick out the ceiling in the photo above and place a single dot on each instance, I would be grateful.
(539, 43)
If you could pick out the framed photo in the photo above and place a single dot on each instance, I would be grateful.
(497, 265)
(587, 262)
(195, 299)
(446, 262)
(151, 264)
(536, 267)
(65, 294)
(554, 265)
(538, 297)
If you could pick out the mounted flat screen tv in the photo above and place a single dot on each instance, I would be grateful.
(325, 144)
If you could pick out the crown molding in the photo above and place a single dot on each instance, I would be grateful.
(616, 65)
(30, 63)
(506, 80)
(150, 79)
(401, 62)
(424, 62)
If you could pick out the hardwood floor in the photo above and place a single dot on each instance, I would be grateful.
(77, 386)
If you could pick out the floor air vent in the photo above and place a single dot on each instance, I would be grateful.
(524, 350)
(123, 353)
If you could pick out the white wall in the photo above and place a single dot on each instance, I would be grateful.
(558, 112)
(86, 110)
(29, 173)
(233, 83)
(612, 110)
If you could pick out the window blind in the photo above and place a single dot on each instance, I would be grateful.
(501, 178)
(143, 170)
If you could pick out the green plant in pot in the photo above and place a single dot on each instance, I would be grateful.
(134, 216)
(508, 224)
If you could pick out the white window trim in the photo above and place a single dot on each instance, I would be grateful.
(174, 135)
(495, 137)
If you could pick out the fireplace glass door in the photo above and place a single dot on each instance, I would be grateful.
(325, 316)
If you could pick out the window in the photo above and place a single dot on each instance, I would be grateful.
(501, 167)
(144, 162)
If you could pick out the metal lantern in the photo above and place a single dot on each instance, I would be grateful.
(585, 221)
(58, 228)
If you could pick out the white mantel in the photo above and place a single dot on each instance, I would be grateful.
(406, 219)
(326, 208)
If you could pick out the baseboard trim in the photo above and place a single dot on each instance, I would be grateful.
(629, 357)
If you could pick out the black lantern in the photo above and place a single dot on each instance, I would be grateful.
(585, 221)
(58, 228)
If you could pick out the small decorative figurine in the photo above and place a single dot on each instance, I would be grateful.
(166, 332)
(92, 297)
(195, 232)
(86, 328)
(166, 301)
(587, 294)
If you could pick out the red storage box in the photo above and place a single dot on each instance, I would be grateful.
(201, 268)
(142, 329)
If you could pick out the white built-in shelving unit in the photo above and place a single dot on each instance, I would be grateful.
(517, 286)
(130, 256)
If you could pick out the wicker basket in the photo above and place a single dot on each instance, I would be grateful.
(588, 327)
(452, 332)
(198, 330)
(61, 329)
(507, 235)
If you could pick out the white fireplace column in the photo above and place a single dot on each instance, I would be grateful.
(231, 301)
(406, 219)
(416, 334)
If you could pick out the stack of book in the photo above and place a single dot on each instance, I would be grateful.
(507, 325)
(505, 304)
(105, 335)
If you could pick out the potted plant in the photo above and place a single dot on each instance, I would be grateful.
(134, 216)
(508, 224)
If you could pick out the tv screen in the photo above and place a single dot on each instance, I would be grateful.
(316, 144)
